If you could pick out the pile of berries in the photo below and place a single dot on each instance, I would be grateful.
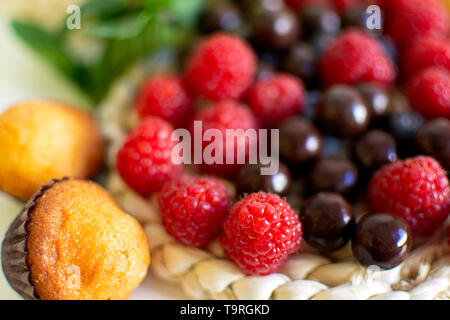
(363, 117)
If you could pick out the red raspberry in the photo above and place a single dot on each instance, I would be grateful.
(193, 208)
(164, 96)
(415, 189)
(429, 92)
(276, 98)
(355, 56)
(227, 115)
(407, 20)
(144, 160)
(426, 52)
(344, 5)
(260, 233)
(221, 67)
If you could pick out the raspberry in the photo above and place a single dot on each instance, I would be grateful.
(353, 57)
(227, 115)
(221, 67)
(426, 52)
(260, 233)
(276, 98)
(429, 93)
(415, 189)
(344, 5)
(407, 20)
(193, 208)
(144, 160)
(164, 96)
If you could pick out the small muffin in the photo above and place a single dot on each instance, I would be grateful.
(42, 140)
(73, 242)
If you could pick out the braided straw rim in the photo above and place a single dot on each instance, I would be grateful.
(207, 274)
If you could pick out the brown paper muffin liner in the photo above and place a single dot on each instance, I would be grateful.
(14, 252)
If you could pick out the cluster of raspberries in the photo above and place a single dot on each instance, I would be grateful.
(261, 230)
(221, 69)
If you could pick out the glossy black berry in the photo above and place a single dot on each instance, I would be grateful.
(434, 139)
(267, 65)
(222, 15)
(300, 141)
(313, 97)
(254, 8)
(334, 146)
(264, 70)
(381, 239)
(320, 42)
(353, 17)
(320, 20)
(327, 221)
(398, 102)
(276, 30)
(334, 174)
(403, 125)
(343, 111)
(376, 98)
(250, 179)
(296, 195)
(269, 58)
(301, 60)
(375, 149)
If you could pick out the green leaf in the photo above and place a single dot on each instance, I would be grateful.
(121, 54)
(156, 5)
(129, 30)
(102, 8)
(45, 44)
(185, 12)
(123, 28)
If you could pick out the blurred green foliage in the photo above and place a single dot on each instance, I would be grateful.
(127, 31)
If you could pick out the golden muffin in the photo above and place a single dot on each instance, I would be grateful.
(41, 140)
(71, 242)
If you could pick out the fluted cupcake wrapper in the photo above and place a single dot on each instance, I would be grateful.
(14, 253)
